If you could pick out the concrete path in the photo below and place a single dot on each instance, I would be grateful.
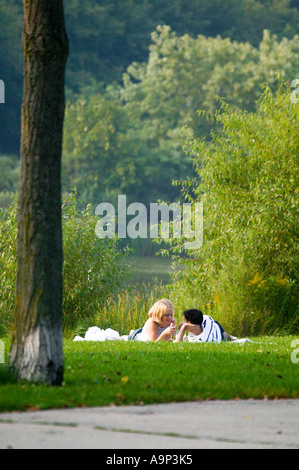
(242, 424)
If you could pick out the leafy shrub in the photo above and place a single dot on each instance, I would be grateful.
(8, 265)
(94, 269)
(246, 272)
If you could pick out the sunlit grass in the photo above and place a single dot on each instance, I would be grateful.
(123, 373)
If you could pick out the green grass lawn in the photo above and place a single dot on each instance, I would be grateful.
(123, 373)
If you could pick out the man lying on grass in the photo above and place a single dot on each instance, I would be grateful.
(201, 328)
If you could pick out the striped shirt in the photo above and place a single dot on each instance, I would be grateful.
(211, 332)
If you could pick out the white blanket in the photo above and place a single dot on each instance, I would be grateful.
(97, 334)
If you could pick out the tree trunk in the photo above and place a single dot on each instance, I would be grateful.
(36, 352)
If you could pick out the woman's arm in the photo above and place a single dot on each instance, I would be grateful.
(168, 333)
(151, 330)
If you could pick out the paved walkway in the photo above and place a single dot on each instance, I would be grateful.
(242, 424)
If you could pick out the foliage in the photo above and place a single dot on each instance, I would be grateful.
(8, 265)
(98, 155)
(93, 269)
(246, 273)
(9, 179)
(127, 139)
(106, 36)
(184, 74)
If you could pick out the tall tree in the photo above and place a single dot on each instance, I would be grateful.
(36, 351)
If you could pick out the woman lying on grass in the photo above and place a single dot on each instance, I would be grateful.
(201, 328)
(160, 326)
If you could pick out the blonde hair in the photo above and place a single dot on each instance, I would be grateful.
(159, 309)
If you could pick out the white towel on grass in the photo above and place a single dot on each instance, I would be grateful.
(95, 333)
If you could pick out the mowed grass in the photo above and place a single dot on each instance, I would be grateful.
(125, 373)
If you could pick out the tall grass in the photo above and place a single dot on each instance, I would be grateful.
(127, 310)
(94, 269)
(245, 302)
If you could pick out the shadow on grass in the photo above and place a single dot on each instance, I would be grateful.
(6, 376)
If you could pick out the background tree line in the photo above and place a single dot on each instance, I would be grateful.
(133, 85)
(106, 36)
(126, 138)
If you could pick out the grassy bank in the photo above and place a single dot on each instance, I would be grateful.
(123, 373)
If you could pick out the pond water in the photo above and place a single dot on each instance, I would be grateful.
(149, 269)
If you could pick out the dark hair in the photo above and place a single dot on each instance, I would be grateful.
(194, 316)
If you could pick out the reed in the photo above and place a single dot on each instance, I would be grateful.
(129, 308)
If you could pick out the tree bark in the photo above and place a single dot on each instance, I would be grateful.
(36, 351)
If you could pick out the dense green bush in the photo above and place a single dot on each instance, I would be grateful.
(9, 179)
(8, 265)
(136, 128)
(246, 272)
(94, 269)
